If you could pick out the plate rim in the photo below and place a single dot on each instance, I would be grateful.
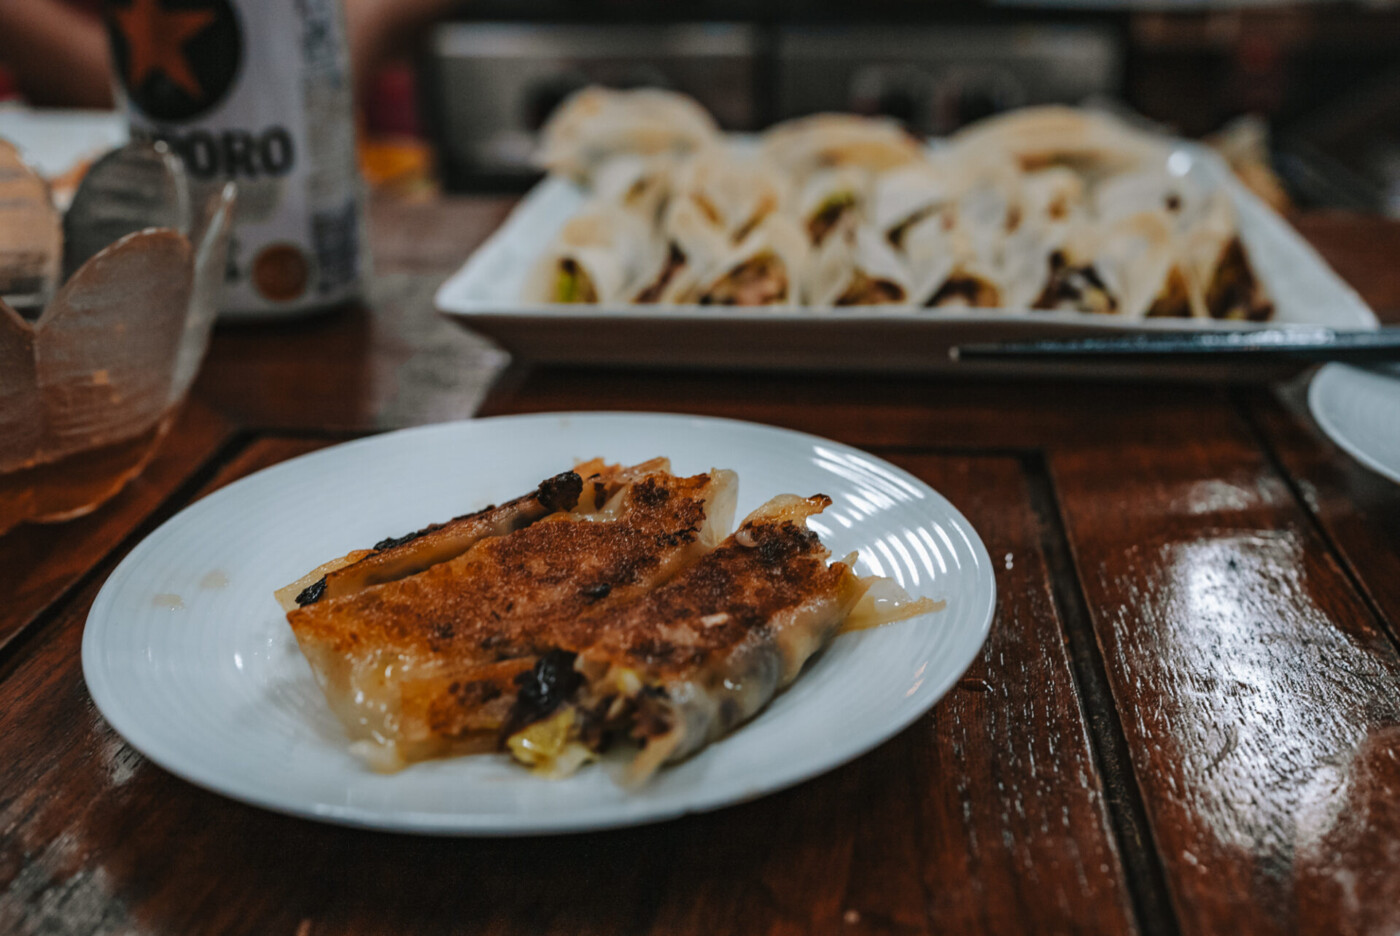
(1326, 377)
(608, 816)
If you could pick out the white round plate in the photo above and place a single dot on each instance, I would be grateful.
(188, 656)
(1359, 409)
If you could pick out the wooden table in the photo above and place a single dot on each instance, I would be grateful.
(1187, 717)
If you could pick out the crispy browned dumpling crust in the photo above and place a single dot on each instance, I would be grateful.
(682, 665)
(451, 638)
(400, 557)
(730, 596)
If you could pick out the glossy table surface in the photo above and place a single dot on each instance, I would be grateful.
(1186, 719)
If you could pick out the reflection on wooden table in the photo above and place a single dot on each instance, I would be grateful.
(1187, 718)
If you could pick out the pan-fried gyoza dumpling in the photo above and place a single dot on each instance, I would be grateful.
(685, 664)
(640, 184)
(903, 197)
(426, 664)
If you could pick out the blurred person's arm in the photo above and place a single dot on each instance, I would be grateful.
(57, 55)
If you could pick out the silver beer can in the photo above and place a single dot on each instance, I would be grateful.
(258, 92)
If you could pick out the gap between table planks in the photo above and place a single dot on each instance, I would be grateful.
(39, 563)
(1257, 690)
(1282, 691)
(966, 821)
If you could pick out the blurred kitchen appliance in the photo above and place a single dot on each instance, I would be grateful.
(493, 84)
(935, 78)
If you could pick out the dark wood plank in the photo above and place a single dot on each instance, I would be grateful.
(390, 362)
(986, 816)
(1362, 249)
(1358, 509)
(434, 236)
(1259, 697)
(39, 562)
(886, 412)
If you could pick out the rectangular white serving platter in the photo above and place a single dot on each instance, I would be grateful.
(485, 295)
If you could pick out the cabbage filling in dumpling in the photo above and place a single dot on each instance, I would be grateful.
(572, 284)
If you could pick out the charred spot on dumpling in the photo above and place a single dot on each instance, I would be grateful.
(561, 492)
(678, 537)
(779, 543)
(648, 492)
(312, 593)
(596, 591)
(390, 542)
(542, 689)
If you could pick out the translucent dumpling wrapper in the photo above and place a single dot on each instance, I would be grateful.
(947, 270)
(832, 200)
(930, 250)
(596, 258)
(734, 191)
(695, 245)
(1091, 143)
(595, 124)
(1023, 258)
(1150, 189)
(640, 184)
(1053, 196)
(857, 267)
(764, 269)
(988, 210)
(825, 141)
(903, 197)
(1137, 254)
(1218, 263)
(1076, 278)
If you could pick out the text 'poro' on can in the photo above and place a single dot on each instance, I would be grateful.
(257, 91)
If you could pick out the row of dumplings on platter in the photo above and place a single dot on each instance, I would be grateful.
(1047, 208)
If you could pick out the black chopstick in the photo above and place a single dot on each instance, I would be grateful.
(1262, 346)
